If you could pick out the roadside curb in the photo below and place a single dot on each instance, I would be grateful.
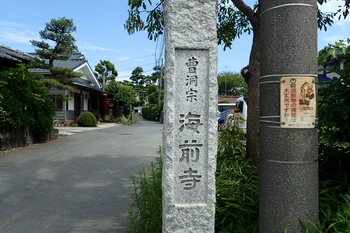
(67, 130)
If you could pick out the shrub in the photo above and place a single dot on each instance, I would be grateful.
(31, 108)
(237, 185)
(87, 119)
(146, 215)
(149, 111)
(334, 146)
(122, 120)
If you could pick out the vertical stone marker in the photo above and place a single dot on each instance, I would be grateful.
(190, 116)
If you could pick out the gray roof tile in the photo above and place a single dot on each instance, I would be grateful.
(14, 54)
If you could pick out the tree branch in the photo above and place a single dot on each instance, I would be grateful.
(244, 8)
(160, 3)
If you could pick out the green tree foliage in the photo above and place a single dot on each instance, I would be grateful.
(154, 24)
(231, 83)
(155, 94)
(57, 44)
(25, 103)
(137, 77)
(127, 83)
(334, 139)
(105, 72)
(334, 96)
(124, 94)
(155, 76)
(152, 92)
(59, 31)
(234, 18)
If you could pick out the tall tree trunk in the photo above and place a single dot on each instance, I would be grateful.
(252, 78)
(251, 74)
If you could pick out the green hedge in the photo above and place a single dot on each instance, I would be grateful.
(87, 119)
(24, 102)
(149, 111)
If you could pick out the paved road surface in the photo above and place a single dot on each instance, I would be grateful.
(78, 183)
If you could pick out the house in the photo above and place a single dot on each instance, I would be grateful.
(10, 58)
(87, 94)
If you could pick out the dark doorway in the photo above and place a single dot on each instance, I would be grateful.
(77, 105)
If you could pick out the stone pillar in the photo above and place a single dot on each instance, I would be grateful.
(288, 134)
(190, 116)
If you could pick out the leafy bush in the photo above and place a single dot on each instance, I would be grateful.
(122, 120)
(237, 185)
(334, 205)
(149, 111)
(334, 96)
(237, 190)
(334, 138)
(87, 119)
(31, 108)
(146, 217)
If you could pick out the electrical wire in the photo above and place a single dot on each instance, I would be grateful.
(130, 59)
(132, 68)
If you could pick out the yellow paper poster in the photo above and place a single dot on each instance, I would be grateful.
(298, 102)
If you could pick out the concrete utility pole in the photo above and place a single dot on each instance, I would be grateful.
(288, 131)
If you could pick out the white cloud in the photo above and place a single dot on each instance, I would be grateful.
(17, 36)
(86, 45)
(122, 59)
(343, 24)
(12, 24)
(340, 28)
(332, 7)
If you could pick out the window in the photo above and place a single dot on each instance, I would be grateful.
(58, 102)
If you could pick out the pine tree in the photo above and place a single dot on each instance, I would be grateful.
(57, 44)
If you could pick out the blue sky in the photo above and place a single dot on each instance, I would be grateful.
(101, 36)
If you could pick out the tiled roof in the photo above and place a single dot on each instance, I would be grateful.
(14, 54)
(230, 99)
(76, 60)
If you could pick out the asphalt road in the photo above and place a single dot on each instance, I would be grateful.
(78, 183)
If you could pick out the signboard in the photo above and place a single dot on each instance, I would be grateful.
(191, 117)
(298, 102)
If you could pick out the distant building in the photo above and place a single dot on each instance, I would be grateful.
(87, 94)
